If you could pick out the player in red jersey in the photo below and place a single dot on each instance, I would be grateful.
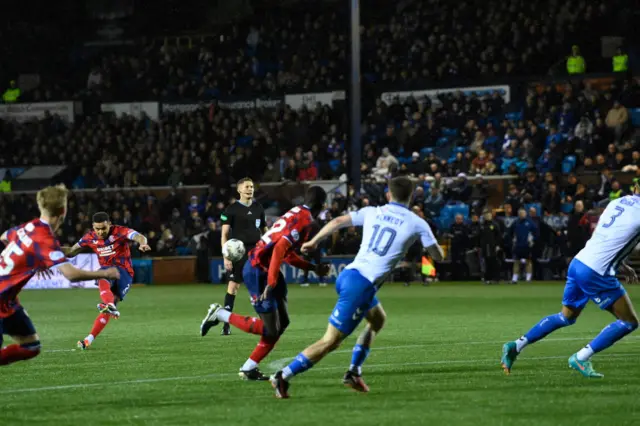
(111, 244)
(31, 248)
(266, 284)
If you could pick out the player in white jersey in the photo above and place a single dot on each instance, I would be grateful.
(592, 275)
(388, 232)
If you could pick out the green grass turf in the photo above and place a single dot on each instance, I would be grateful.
(437, 363)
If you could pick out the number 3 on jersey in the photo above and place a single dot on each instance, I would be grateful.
(381, 240)
(619, 211)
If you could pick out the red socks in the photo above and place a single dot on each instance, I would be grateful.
(247, 324)
(264, 347)
(105, 291)
(13, 353)
(99, 324)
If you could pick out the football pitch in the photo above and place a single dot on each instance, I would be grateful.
(436, 363)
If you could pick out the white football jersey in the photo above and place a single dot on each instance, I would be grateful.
(387, 234)
(615, 236)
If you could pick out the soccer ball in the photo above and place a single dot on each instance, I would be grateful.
(233, 250)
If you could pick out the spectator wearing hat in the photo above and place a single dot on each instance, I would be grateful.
(416, 167)
(460, 190)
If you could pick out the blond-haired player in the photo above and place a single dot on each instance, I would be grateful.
(30, 248)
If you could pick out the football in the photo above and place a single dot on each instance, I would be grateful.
(233, 250)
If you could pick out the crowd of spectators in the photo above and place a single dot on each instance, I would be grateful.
(305, 47)
(449, 144)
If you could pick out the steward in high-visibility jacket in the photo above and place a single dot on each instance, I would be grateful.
(12, 94)
(620, 61)
(575, 62)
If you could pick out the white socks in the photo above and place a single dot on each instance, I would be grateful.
(223, 315)
(515, 278)
(585, 353)
(90, 338)
(521, 343)
(249, 365)
(287, 374)
(529, 276)
(356, 370)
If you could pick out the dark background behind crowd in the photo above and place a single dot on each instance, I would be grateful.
(544, 138)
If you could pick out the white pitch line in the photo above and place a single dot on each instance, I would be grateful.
(228, 375)
(283, 362)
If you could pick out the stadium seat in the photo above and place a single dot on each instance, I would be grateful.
(426, 151)
(442, 141)
(568, 164)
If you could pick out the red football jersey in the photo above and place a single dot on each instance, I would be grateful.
(294, 227)
(31, 247)
(113, 250)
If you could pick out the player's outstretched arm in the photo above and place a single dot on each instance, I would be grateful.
(336, 224)
(72, 273)
(143, 243)
(72, 251)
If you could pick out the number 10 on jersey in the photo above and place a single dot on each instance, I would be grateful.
(381, 240)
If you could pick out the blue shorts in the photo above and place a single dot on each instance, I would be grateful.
(583, 283)
(122, 285)
(18, 324)
(356, 295)
(255, 279)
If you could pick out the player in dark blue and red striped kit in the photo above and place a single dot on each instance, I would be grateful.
(111, 244)
(29, 249)
(266, 284)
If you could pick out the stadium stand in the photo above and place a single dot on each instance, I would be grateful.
(222, 112)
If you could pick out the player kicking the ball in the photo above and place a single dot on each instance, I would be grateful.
(266, 284)
(111, 244)
(592, 275)
(32, 248)
(388, 232)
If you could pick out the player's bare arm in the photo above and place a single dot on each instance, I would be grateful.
(72, 251)
(435, 252)
(72, 273)
(629, 273)
(143, 244)
(336, 224)
(4, 238)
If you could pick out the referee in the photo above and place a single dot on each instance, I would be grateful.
(243, 220)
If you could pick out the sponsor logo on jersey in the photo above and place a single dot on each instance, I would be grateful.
(105, 251)
(295, 235)
(249, 214)
(111, 238)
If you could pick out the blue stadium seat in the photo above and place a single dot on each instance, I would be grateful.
(404, 160)
(461, 149)
(442, 141)
(449, 212)
(334, 164)
(449, 132)
(426, 151)
(635, 116)
(566, 208)
(568, 164)
(513, 116)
